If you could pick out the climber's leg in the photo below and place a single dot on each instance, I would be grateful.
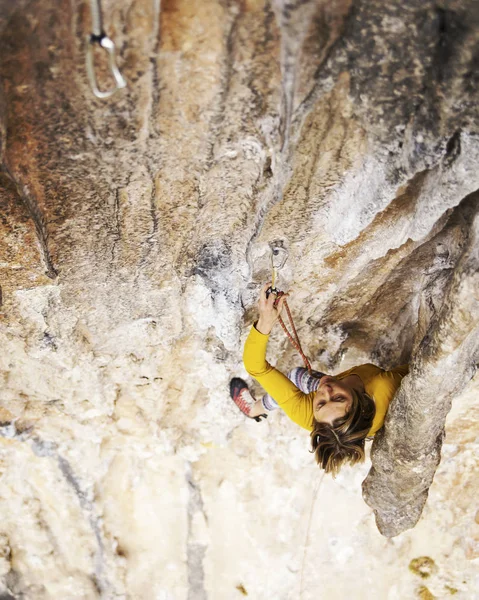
(304, 380)
(255, 409)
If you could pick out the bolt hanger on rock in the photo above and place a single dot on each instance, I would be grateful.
(279, 256)
(98, 36)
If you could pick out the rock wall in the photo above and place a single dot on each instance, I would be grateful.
(135, 235)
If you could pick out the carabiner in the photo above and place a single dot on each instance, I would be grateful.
(279, 256)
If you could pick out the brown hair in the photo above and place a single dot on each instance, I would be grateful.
(343, 441)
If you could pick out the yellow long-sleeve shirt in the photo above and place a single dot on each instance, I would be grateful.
(379, 384)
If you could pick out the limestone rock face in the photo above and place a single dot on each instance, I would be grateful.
(135, 234)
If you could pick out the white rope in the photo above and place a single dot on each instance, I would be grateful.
(308, 530)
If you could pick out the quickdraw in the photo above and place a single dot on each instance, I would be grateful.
(279, 257)
(98, 36)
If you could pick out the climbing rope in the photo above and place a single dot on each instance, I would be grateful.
(314, 499)
(98, 36)
(279, 257)
(292, 336)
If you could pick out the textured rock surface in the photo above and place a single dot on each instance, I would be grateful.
(405, 458)
(134, 236)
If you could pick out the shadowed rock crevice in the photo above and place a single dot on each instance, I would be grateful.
(39, 222)
(417, 279)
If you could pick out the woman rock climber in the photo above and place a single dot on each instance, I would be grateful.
(340, 411)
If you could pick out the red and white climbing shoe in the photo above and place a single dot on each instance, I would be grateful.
(242, 397)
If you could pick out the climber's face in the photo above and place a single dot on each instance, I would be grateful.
(333, 399)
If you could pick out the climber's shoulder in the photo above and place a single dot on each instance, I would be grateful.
(401, 370)
(365, 372)
(372, 375)
(395, 375)
(385, 383)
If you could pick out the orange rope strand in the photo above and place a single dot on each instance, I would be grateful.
(293, 337)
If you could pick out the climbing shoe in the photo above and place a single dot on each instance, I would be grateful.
(242, 397)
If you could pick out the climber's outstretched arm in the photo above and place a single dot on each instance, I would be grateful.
(297, 405)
